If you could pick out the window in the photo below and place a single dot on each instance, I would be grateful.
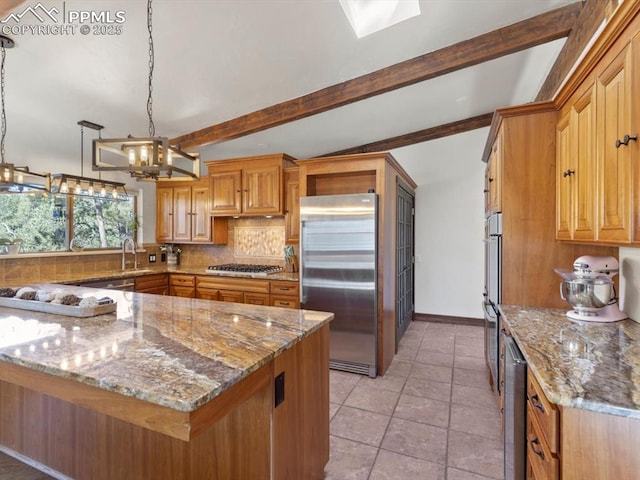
(47, 223)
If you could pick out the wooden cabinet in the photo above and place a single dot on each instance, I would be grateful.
(285, 294)
(157, 284)
(576, 168)
(543, 433)
(181, 285)
(248, 186)
(493, 178)
(598, 197)
(182, 215)
(292, 206)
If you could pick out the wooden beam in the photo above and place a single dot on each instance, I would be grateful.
(591, 17)
(420, 136)
(504, 41)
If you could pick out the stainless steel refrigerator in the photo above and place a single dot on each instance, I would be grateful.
(338, 250)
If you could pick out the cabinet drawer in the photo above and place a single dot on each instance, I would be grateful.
(151, 281)
(285, 302)
(285, 288)
(256, 298)
(544, 412)
(232, 283)
(231, 296)
(183, 280)
(206, 293)
(543, 463)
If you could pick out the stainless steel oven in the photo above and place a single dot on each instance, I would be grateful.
(493, 293)
(515, 411)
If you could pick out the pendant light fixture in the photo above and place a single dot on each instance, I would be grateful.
(65, 184)
(14, 179)
(147, 158)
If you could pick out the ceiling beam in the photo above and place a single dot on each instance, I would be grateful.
(591, 17)
(420, 136)
(497, 43)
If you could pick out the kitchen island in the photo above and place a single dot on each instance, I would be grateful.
(583, 414)
(166, 388)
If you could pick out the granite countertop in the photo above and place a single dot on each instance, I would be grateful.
(171, 351)
(187, 270)
(586, 365)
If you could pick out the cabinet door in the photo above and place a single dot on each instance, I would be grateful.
(583, 164)
(234, 296)
(200, 219)
(164, 214)
(292, 206)
(207, 293)
(495, 176)
(182, 214)
(261, 190)
(225, 192)
(256, 298)
(564, 182)
(180, 291)
(614, 163)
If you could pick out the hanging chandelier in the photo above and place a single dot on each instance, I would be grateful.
(66, 184)
(146, 158)
(15, 179)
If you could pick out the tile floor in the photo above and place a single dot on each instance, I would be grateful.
(431, 417)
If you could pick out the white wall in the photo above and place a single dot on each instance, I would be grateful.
(630, 282)
(449, 223)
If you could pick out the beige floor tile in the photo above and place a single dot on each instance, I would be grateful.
(333, 409)
(469, 331)
(372, 399)
(476, 420)
(470, 350)
(387, 382)
(419, 387)
(340, 385)
(406, 353)
(470, 363)
(423, 410)
(359, 425)
(349, 460)
(12, 469)
(473, 396)
(474, 342)
(438, 343)
(455, 474)
(394, 466)
(431, 372)
(416, 439)
(476, 454)
(470, 378)
(399, 368)
(435, 358)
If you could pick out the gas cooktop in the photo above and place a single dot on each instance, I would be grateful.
(247, 269)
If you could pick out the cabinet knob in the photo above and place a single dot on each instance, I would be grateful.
(490, 179)
(485, 191)
(566, 173)
(626, 140)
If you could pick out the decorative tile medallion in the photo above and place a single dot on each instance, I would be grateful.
(258, 242)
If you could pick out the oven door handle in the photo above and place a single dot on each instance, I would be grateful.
(490, 310)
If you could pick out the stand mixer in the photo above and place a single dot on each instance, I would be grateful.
(590, 291)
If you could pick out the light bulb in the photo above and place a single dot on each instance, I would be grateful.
(20, 177)
(144, 154)
(103, 191)
(114, 193)
(169, 158)
(91, 190)
(64, 188)
(132, 156)
(78, 189)
(6, 174)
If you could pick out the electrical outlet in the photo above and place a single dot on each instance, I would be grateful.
(163, 257)
(152, 258)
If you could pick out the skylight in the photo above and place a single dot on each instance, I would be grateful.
(369, 16)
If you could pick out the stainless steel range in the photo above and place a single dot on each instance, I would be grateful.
(244, 269)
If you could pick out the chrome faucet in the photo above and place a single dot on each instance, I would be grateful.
(128, 241)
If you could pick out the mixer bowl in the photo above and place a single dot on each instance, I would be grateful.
(587, 295)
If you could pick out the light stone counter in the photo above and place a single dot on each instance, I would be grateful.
(585, 365)
(171, 351)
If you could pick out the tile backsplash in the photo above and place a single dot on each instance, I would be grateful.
(630, 282)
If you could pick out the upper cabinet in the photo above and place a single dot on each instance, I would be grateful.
(292, 205)
(248, 186)
(493, 178)
(182, 214)
(597, 170)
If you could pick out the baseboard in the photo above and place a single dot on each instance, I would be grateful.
(429, 317)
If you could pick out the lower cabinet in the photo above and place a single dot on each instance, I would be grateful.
(285, 294)
(543, 433)
(181, 285)
(278, 293)
(157, 284)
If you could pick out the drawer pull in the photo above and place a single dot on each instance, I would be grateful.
(285, 289)
(534, 442)
(535, 401)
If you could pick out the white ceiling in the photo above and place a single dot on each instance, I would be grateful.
(219, 59)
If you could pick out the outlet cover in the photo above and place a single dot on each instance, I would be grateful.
(152, 258)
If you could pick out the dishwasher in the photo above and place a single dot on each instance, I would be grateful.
(123, 284)
(515, 411)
